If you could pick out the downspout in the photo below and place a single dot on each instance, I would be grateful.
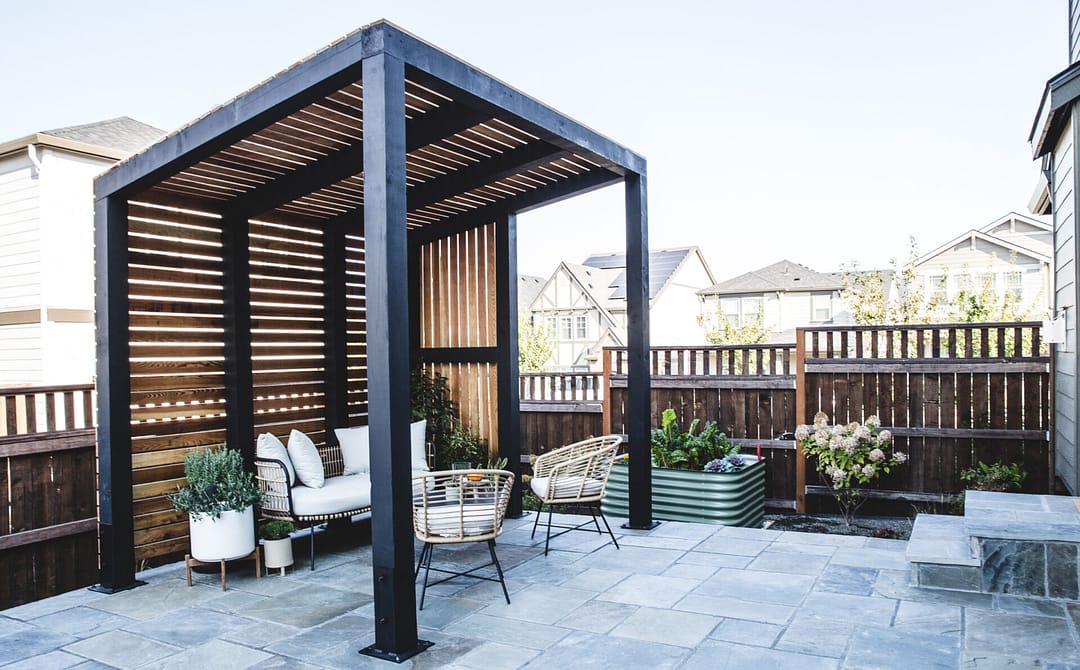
(31, 151)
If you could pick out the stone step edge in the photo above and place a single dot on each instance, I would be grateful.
(932, 547)
(944, 560)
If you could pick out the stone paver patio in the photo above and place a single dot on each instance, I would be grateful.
(680, 596)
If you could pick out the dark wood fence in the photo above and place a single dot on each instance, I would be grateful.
(48, 493)
(953, 395)
(749, 391)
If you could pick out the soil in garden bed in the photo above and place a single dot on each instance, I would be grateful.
(890, 527)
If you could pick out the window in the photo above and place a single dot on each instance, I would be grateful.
(1014, 284)
(730, 309)
(550, 321)
(987, 281)
(938, 289)
(964, 284)
(751, 310)
(566, 327)
(820, 307)
(581, 327)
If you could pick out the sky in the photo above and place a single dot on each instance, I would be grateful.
(822, 132)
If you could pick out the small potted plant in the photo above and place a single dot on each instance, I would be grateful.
(219, 499)
(277, 544)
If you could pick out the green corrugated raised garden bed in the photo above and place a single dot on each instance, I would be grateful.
(726, 498)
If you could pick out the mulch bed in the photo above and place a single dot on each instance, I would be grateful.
(894, 528)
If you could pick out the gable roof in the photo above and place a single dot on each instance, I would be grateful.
(988, 228)
(783, 276)
(991, 239)
(115, 139)
(663, 265)
(529, 287)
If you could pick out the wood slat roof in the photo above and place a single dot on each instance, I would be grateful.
(291, 149)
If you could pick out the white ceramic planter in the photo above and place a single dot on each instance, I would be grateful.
(277, 553)
(232, 535)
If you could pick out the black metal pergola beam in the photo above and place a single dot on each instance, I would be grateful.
(538, 197)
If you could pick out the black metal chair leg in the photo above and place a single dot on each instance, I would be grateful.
(498, 569)
(420, 560)
(613, 540)
(312, 527)
(592, 512)
(547, 540)
(537, 520)
(427, 571)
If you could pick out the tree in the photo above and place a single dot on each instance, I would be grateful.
(534, 344)
(866, 294)
(720, 330)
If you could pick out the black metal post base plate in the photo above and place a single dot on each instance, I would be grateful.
(524, 513)
(395, 656)
(648, 526)
(101, 588)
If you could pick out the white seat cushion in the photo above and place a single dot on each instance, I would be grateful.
(338, 494)
(268, 446)
(451, 520)
(574, 486)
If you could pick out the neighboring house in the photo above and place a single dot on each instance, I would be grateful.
(584, 305)
(528, 288)
(782, 297)
(47, 247)
(1010, 255)
(1054, 136)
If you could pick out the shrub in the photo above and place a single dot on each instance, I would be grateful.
(849, 456)
(216, 482)
(997, 477)
(277, 529)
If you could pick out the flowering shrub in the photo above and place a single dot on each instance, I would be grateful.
(849, 456)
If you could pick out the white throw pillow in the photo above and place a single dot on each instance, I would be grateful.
(305, 458)
(268, 446)
(354, 449)
(418, 430)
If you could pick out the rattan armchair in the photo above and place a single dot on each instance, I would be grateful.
(454, 506)
(576, 474)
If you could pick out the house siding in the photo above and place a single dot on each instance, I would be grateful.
(1074, 31)
(673, 315)
(1065, 302)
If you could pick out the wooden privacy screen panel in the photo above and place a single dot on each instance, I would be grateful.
(953, 396)
(457, 290)
(457, 312)
(356, 330)
(287, 327)
(475, 395)
(177, 360)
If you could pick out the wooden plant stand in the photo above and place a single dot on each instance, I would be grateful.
(190, 561)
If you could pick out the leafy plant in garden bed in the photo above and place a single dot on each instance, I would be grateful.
(707, 450)
(850, 457)
(998, 476)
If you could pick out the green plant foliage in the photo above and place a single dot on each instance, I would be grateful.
(277, 529)
(430, 397)
(216, 482)
(534, 344)
(672, 448)
(996, 477)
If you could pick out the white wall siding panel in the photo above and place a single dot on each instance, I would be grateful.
(20, 355)
(20, 238)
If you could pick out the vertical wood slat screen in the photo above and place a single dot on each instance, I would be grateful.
(177, 361)
(287, 328)
(356, 325)
(457, 310)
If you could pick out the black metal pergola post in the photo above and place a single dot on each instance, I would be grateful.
(506, 308)
(388, 359)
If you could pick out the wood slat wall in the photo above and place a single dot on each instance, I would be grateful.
(457, 312)
(177, 361)
(288, 355)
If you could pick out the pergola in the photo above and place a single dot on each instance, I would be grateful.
(286, 260)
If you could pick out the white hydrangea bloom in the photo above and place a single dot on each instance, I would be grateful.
(877, 455)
